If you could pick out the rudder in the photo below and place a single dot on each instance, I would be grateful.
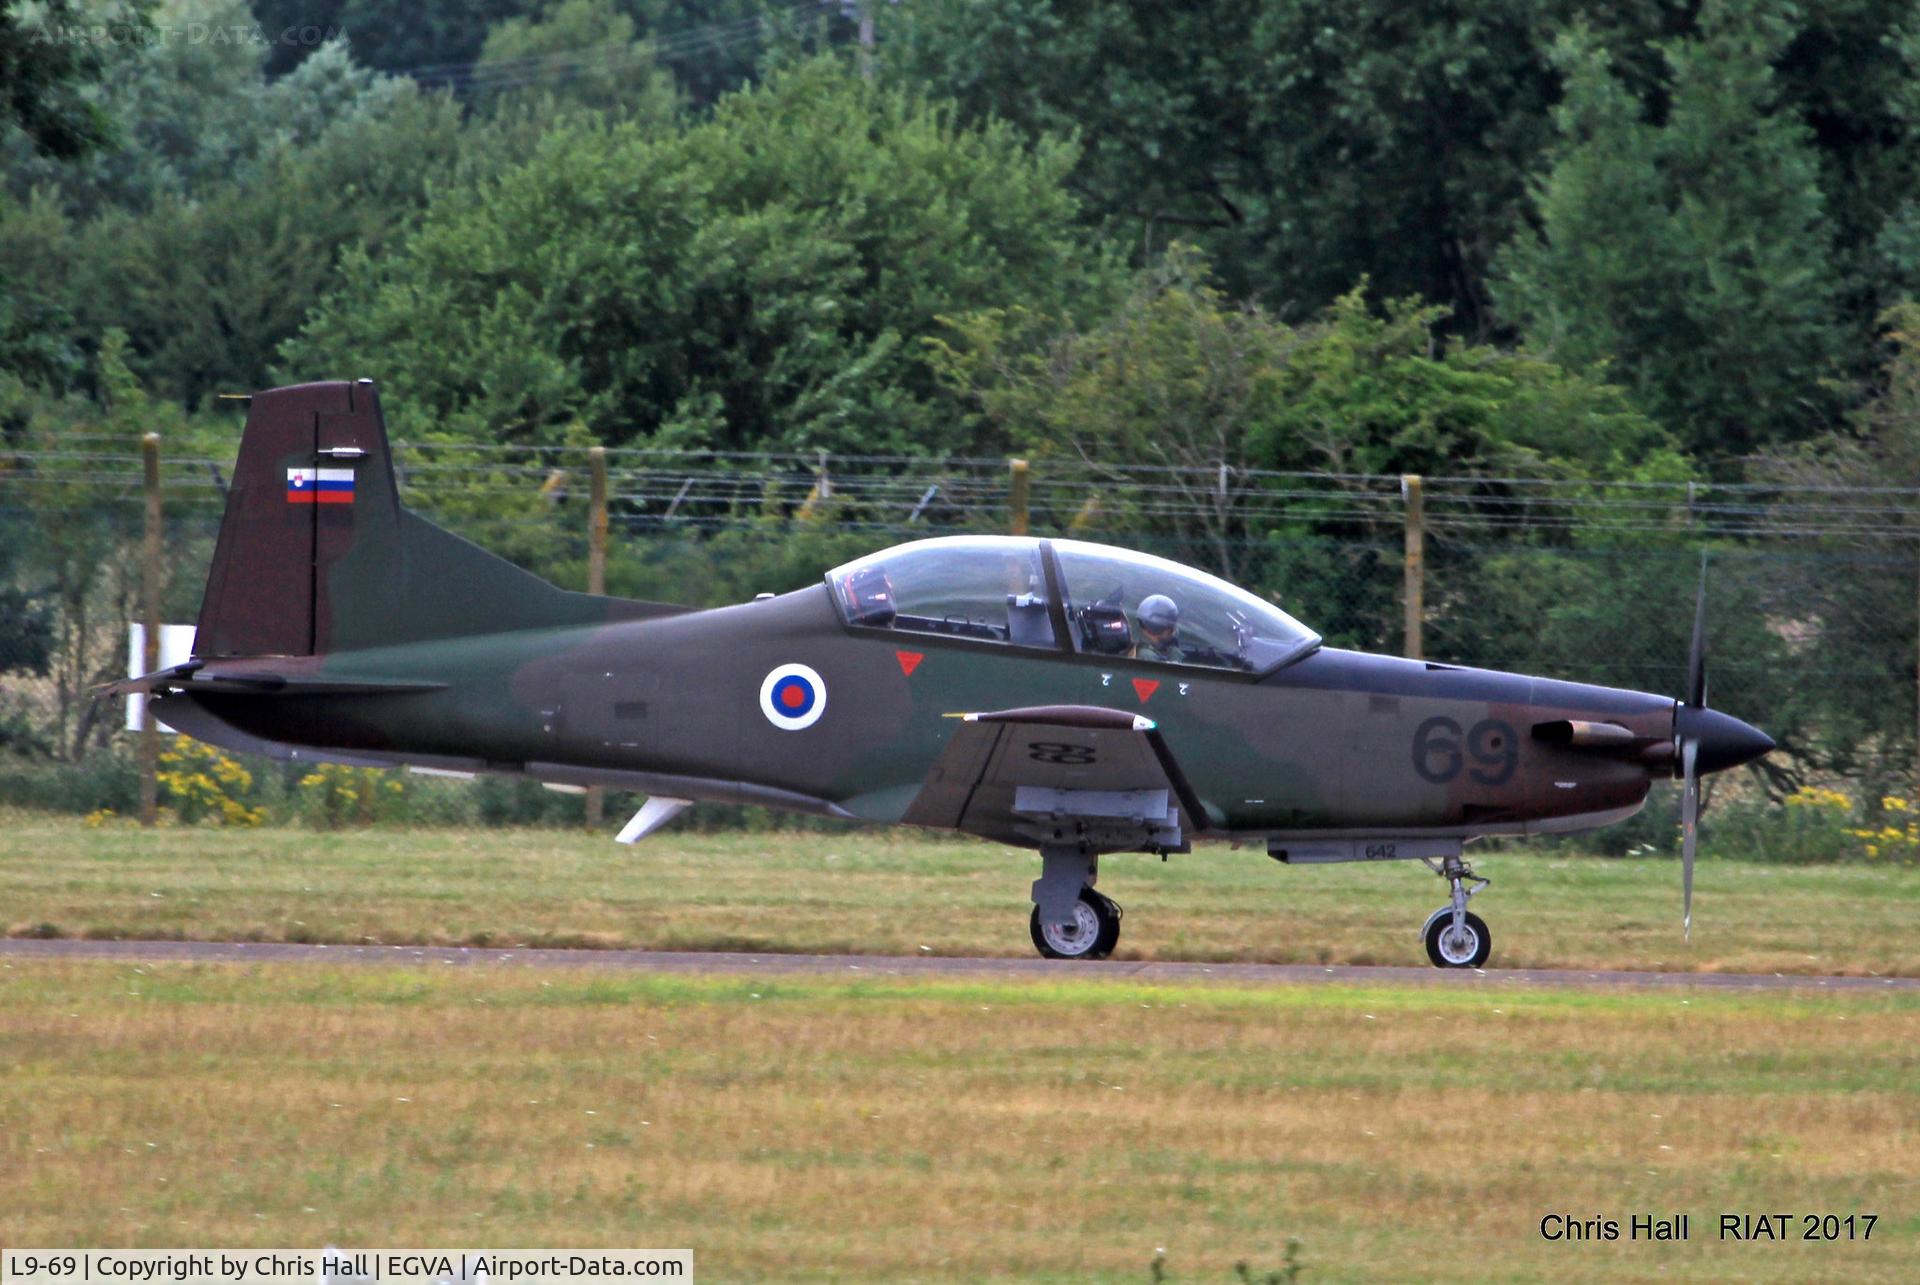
(261, 589)
(317, 555)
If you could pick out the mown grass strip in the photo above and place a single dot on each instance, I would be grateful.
(931, 1128)
(896, 893)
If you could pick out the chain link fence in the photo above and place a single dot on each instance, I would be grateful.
(1813, 593)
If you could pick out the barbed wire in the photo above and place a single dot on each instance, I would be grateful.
(1381, 486)
(689, 486)
(572, 64)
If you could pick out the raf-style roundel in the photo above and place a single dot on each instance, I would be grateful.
(793, 697)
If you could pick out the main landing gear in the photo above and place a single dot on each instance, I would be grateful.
(1071, 920)
(1092, 935)
(1455, 936)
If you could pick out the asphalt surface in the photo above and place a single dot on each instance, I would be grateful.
(717, 962)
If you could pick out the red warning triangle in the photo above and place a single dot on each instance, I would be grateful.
(1146, 687)
(909, 660)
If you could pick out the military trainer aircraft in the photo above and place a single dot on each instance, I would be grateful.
(1071, 698)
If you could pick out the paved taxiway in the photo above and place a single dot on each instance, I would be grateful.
(667, 961)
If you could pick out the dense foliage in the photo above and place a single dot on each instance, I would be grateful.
(762, 277)
(1604, 244)
(1707, 205)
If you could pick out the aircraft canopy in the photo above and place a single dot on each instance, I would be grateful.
(1109, 602)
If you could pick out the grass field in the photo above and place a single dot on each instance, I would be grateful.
(897, 892)
(813, 1128)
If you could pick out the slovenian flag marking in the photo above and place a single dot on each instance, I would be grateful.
(320, 486)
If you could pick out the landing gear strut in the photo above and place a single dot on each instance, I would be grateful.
(1070, 920)
(1455, 936)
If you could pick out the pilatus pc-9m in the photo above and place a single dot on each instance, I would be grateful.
(1071, 698)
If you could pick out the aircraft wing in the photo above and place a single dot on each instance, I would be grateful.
(1059, 773)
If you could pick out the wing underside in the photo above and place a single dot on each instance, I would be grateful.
(1100, 778)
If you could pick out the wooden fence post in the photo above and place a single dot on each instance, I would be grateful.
(150, 628)
(596, 578)
(1017, 493)
(1415, 569)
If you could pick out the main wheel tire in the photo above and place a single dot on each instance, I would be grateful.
(1467, 949)
(1109, 912)
(1095, 928)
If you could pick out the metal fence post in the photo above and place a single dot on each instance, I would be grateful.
(1017, 492)
(150, 628)
(1416, 563)
(596, 800)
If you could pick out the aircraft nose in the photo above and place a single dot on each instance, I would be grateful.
(1724, 740)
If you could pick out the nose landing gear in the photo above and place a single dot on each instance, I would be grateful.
(1456, 937)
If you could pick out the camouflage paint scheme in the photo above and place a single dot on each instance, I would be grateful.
(359, 632)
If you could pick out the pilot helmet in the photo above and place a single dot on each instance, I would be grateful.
(1158, 615)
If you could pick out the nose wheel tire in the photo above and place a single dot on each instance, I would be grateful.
(1465, 947)
(1094, 932)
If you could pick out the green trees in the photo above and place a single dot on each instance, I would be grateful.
(1302, 144)
(194, 112)
(1852, 596)
(1395, 142)
(219, 221)
(709, 46)
(1180, 376)
(582, 52)
(1378, 393)
(1692, 253)
(1545, 239)
(1176, 376)
(1706, 205)
(46, 65)
(1716, 198)
(762, 279)
(207, 288)
(39, 340)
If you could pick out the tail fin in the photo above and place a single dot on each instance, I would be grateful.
(317, 555)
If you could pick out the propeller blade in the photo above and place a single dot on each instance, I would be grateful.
(1689, 829)
(1697, 656)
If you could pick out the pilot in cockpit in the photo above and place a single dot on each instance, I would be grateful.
(1159, 621)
